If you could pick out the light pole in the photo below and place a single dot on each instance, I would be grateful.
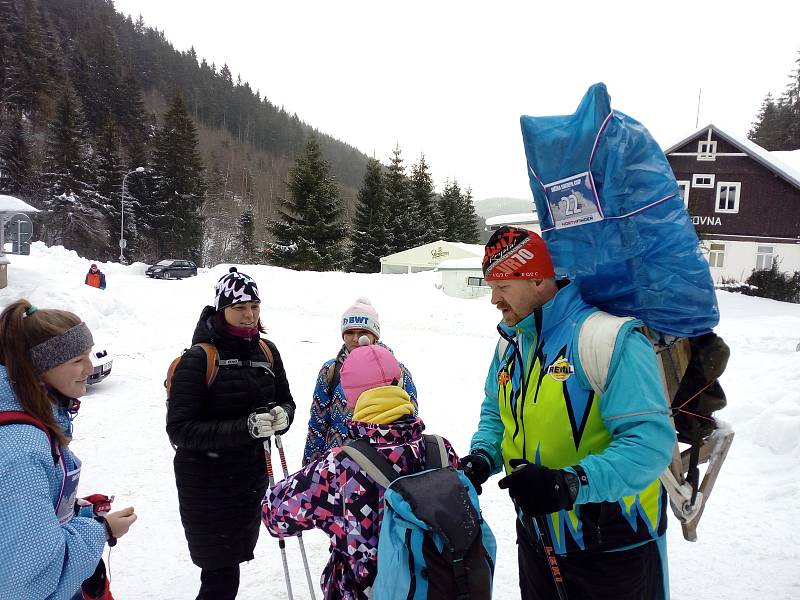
(122, 242)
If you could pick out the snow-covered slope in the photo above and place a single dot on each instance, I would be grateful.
(748, 545)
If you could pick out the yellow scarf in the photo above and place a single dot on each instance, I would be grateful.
(383, 405)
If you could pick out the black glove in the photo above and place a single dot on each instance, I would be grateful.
(538, 490)
(477, 469)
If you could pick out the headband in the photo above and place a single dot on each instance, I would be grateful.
(61, 348)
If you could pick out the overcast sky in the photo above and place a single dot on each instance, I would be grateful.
(451, 78)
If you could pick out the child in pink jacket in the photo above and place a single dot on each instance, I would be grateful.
(332, 493)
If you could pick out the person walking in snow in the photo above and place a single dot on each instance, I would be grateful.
(327, 425)
(50, 542)
(582, 468)
(95, 277)
(333, 494)
(220, 471)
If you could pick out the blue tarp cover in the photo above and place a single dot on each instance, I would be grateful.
(613, 219)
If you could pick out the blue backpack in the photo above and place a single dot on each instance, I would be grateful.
(433, 541)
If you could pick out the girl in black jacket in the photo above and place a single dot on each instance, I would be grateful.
(219, 431)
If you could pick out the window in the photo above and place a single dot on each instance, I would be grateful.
(716, 255)
(728, 196)
(703, 181)
(476, 282)
(683, 190)
(706, 150)
(765, 255)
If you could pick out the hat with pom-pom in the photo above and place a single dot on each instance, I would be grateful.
(234, 288)
(362, 315)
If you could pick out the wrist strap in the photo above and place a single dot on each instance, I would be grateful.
(581, 475)
(110, 539)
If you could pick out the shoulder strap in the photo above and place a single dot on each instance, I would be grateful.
(212, 365)
(212, 362)
(267, 352)
(502, 344)
(333, 376)
(435, 452)
(596, 341)
(371, 462)
(8, 417)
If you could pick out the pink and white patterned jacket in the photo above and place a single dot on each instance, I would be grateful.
(334, 495)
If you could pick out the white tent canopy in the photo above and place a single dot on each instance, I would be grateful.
(428, 256)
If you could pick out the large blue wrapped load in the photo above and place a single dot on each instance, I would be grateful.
(613, 219)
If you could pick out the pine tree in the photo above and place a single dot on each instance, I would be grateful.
(772, 127)
(220, 236)
(468, 231)
(423, 196)
(309, 234)
(247, 236)
(450, 211)
(175, 214)
(15, 156)
(401, 215)
(75, 218)
(109, 173)
(370, 235)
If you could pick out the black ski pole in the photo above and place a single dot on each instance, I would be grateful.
(547, 545)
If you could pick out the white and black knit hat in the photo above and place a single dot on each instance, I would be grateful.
(234, 288)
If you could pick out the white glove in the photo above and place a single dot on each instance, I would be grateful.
(263, 423)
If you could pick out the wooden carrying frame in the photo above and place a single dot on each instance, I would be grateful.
(673, 360)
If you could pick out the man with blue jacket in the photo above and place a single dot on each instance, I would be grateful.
(576, 415)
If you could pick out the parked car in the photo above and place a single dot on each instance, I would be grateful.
(172, 269)
(102, 362)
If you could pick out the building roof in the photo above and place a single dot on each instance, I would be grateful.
(10, 204)
(518, 218)
(433, 253)
(472, 263)
(788, 157)
(760, 155)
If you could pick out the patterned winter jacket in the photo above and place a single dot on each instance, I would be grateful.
(334, 495)
(327, 426)
(41, 558)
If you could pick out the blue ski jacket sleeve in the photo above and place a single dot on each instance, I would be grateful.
(490, 427)
(633, 409)
(319, 420)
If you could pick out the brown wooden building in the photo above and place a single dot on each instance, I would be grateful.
(744, 202)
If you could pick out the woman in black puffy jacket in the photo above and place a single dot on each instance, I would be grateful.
(219, 430)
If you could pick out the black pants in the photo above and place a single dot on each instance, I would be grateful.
(219, 584)
(634, 574)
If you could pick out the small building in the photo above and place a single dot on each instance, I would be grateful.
(428, 256)
(463, 277)
(744, 201)
(11, 210)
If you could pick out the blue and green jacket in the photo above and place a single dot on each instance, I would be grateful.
(540, 406)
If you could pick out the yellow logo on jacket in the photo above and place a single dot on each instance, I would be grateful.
(560, 370)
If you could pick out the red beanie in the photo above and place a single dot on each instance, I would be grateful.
(516, 253)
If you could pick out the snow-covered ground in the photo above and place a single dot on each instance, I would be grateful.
(749, 537)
